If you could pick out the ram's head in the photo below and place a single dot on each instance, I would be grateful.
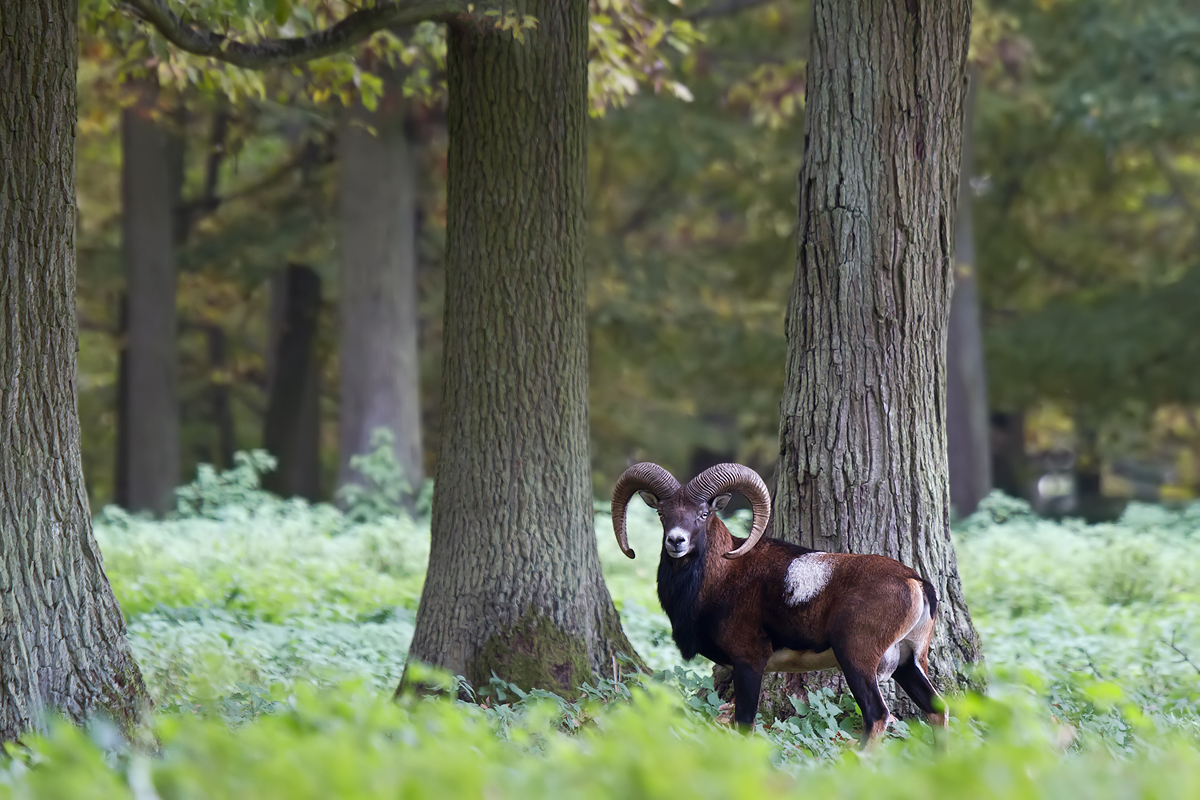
(687, 511)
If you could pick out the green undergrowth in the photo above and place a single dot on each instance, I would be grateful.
(639, 742)
(273, 633)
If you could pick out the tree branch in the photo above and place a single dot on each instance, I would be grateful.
(355, 28)
(1182, 652)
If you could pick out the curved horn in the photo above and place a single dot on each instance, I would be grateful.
(736, 478)
(650, 477)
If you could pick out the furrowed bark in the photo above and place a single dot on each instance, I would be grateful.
(514, 583)
(377, 348)
(62, 639)
(863, 430)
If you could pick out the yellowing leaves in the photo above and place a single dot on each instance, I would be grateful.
(510, 20)
(629, 49)
(772, 93)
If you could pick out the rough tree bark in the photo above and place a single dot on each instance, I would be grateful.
(378, 355)
(514, 581)
(150, 201)
(291, 428)
(62, 638)
(968, 430)
(863, 464)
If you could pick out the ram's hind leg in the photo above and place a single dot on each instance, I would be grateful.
(912, 674)
(860, 668)
(912, 679)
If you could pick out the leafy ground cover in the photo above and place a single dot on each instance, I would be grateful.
(273, 633)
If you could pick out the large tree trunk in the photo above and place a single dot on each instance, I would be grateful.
(63, 644)
(380, 385)
(863, 430)
(967, 426)
(514, 582)
(150, 198)
(291, 430)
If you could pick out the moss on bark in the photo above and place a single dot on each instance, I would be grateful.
(533, 653)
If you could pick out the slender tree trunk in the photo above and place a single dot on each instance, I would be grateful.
(514, 582)
(1010, 465)
(220, 407)
(121, 473)
(150, 195)
(291, 429)
(863, 430)
(62, 638)
(378, 354)
(967, 428)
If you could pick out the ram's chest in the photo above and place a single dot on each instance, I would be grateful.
(679, 587)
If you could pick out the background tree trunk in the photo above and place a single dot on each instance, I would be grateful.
(1011, 472)
(291, 430)
(514, 581)
(63, 644)
(968, 429)
(220, 404)
(121, 454)
(862, 434)
(380, 386)
(150, 199)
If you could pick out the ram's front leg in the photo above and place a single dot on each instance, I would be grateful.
(747, 683)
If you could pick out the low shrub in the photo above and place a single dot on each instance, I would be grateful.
(353, 743)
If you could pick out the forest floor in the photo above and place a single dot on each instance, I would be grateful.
(272, 635)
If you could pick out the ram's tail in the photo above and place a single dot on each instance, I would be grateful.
(930, 597)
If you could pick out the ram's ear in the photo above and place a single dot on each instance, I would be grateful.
(720, 501)
(650, 499)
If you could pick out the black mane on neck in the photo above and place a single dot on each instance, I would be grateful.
(679, 583)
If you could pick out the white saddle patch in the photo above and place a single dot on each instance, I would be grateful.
(807, 575)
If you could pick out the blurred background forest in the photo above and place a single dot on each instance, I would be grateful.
(260, 255)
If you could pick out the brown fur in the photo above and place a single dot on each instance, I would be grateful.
(868, 603)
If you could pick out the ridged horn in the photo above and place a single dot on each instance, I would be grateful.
(724, 478)
(640, 477)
